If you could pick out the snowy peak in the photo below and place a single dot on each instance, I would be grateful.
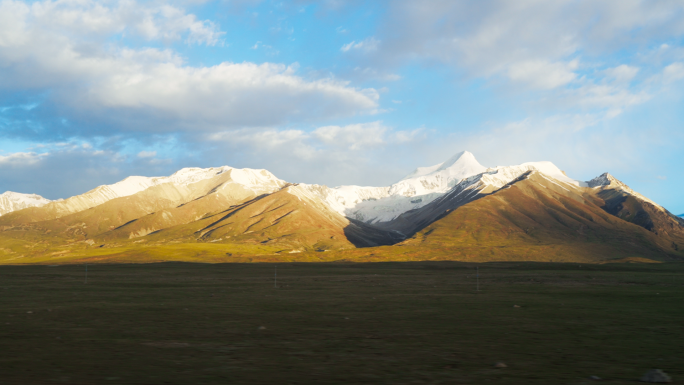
(604, 179)
(509, 173)
(440, 177)
(461, 165)
(462, 161)
(249, 178)
(426, 184)
(12, 201)
(183, 184)
(182, 177)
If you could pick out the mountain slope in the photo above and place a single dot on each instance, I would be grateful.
(289, 219)
(376, 205)
(472, 188)
(624, 203)
(455, 210)
(12, 201)
(182, 186)
(21, 232)
(537, 219)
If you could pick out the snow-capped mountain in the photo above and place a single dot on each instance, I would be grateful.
(185, 184)
(606, 180)
(425, 185)
(258, 181)
(373, 205)
(12, 201)
(445, 207)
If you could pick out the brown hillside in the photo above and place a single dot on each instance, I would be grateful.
(668, 228)
(281, 219)
(540, 220)
(221, 184)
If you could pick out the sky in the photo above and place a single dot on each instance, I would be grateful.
(339, 92)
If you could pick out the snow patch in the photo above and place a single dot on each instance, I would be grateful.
(607, 180)
(425, 185)
(13, 201)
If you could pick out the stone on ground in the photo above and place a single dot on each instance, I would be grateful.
(656, 376)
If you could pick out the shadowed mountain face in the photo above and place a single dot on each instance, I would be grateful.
(538, 220)
(527, 212)
(622, 202)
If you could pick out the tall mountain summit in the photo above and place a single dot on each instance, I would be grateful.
(457, 209)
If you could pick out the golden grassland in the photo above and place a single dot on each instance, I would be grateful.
(224, 253)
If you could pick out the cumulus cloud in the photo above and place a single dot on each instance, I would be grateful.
(88, 18)
(542, 50)
(365, 153)
(489, 37)
(60, 46)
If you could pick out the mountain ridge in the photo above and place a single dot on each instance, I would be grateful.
(428, 214)
(13, 201)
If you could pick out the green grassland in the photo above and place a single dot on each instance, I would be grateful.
(338, 323)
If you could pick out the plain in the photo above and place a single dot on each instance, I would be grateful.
(398, 323)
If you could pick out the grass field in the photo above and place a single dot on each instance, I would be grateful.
(389, 323)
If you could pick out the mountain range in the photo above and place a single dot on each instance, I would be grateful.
(458, 210)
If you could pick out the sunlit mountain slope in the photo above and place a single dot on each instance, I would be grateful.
(456, 210)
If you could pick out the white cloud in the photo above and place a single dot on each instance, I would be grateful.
(541, 50)
(366, 153)
(154, 89)
(353, 136)
(147, 154)
(673, 73)
(542, 74)
(306, 145)
(89, 17)
(84, 169)
(232, 94)
(20, 159)
(601, 96)
(293, 143)
(368, 73)
(408, 136)
(369, 44)
(488, 37)
(621, 73)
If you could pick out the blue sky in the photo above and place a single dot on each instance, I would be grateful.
(339, 92)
